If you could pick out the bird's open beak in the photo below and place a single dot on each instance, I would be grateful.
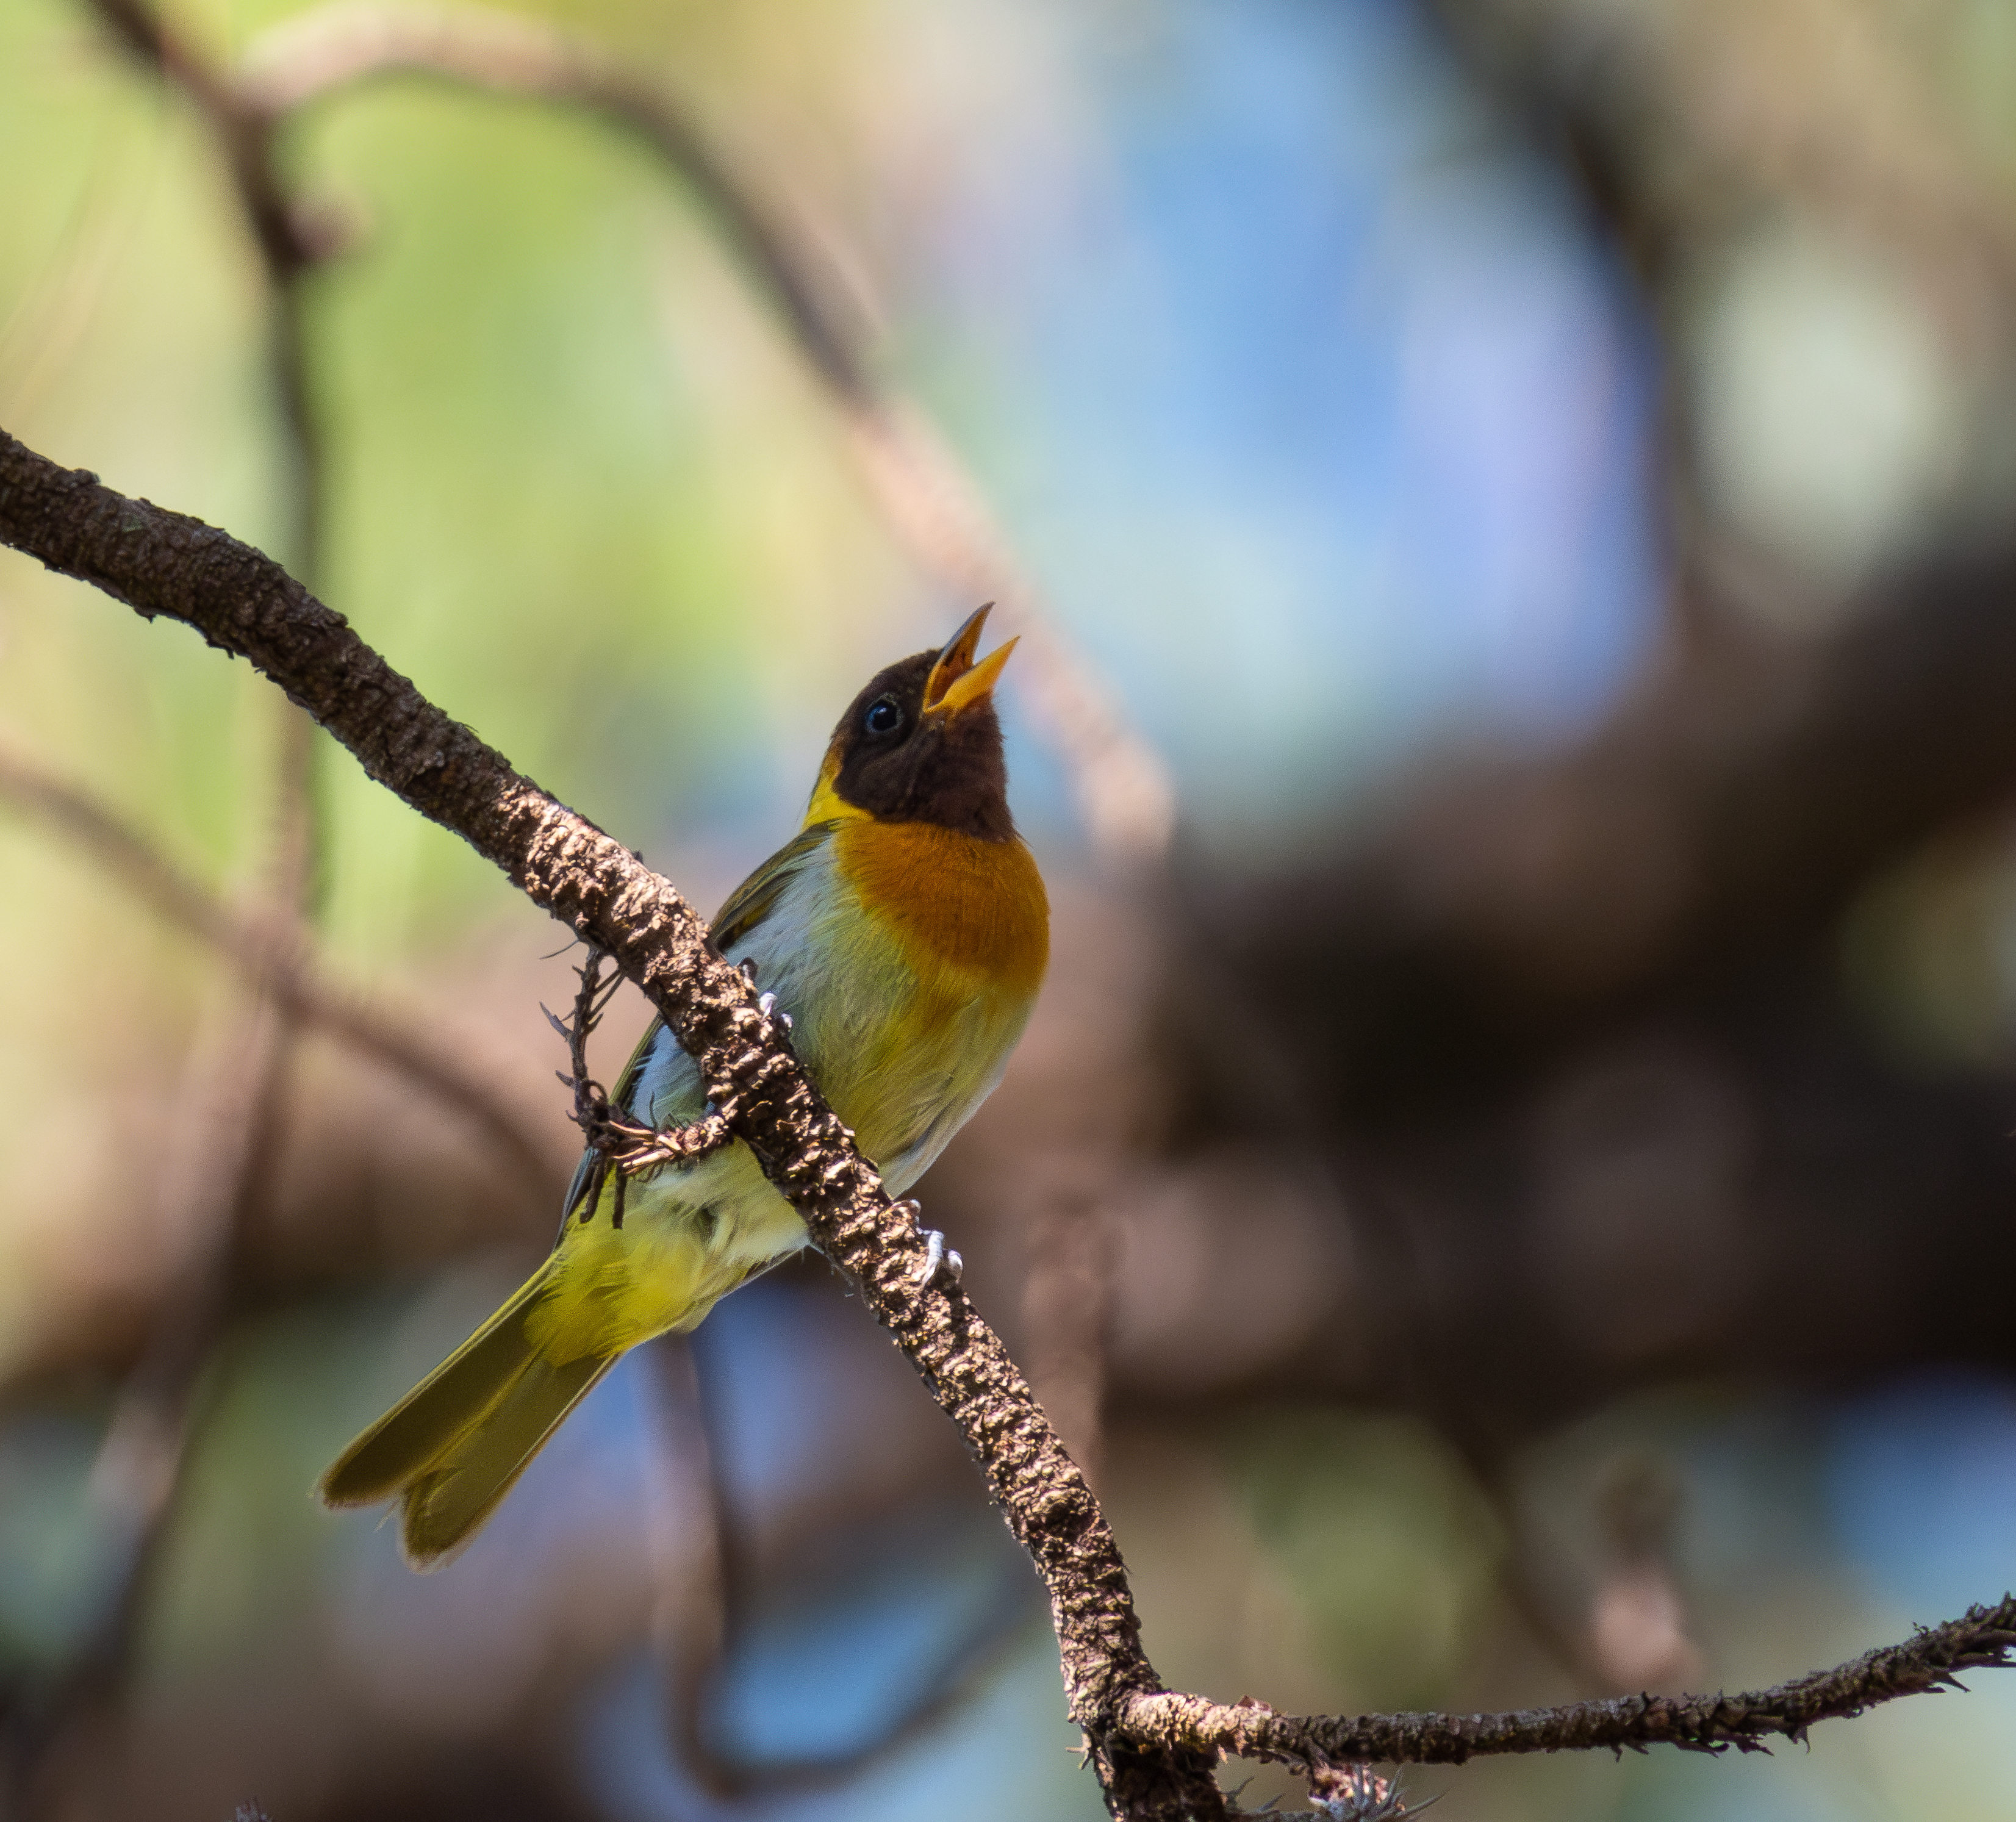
(956, 681)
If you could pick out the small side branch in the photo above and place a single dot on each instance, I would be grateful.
(621, 1144)
(1982, 1638)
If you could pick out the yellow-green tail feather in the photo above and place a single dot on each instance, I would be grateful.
(454, 1445)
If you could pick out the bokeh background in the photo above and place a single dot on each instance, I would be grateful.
(1512, 1200)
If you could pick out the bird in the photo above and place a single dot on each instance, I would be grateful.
(904, 931)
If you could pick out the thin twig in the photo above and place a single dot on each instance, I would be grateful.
(620, 1143)
(291, 66)
(925, 491)
(243, 135)
(1981, 1639)
(697, 1560)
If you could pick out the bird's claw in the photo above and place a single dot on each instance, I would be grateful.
(939, 1257)
(766, 1004)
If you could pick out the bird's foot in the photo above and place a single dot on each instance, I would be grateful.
(766, 1004)
(938, 1257)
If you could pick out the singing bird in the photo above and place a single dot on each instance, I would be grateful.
(905, 930)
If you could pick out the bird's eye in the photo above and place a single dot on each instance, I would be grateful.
(883, 717)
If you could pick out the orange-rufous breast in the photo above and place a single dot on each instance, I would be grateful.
(952, 900)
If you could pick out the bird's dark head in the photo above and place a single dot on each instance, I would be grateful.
(922, 744)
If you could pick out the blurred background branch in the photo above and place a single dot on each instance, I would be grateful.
(1123, 787)
(237, 1124)
(276, 963)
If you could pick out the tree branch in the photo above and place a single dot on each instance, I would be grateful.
(277, 961)
(1154, 1750)
(243, 134)
(1981, 1639)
